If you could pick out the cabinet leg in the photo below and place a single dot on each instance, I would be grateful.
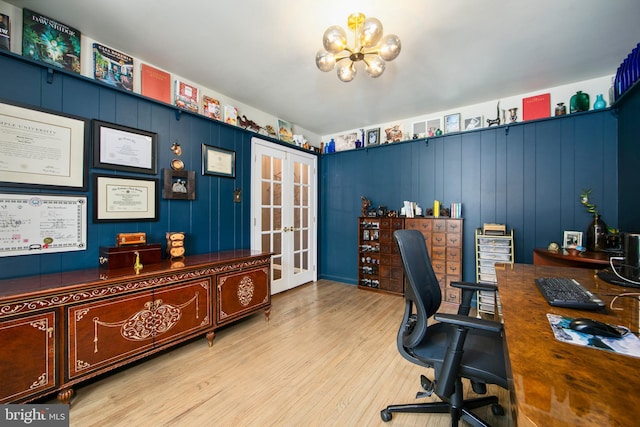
(210, 336)
(64, 396)
(267, 313)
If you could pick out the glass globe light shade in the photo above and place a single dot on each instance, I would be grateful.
(346, 71)
(390, 47)
(375, 65)
(325, 60)
(371, 32)
(335, 39)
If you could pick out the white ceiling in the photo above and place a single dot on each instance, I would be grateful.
(454, 52)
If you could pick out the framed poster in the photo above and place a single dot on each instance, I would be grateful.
(123, 148)
(125, 199)
(452, 123)
(42, 148)
(218, 161)
(41, 223)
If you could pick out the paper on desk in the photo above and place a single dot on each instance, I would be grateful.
(628, 345)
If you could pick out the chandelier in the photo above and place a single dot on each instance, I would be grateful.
(371, 47)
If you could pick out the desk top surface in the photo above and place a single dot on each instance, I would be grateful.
(554, 383)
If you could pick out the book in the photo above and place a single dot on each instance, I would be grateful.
(47, 40)
(5, 32)
(231, 115)
(285, 131)
(536, 107)
(186, 96)
(211, 108)
(112, 67)
(155, 83)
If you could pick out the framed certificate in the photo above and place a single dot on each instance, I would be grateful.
(123, 148)
(218, 161)
(125, 199)
(42, 148)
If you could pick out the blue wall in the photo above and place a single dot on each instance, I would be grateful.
(526, 175)
(213, 221)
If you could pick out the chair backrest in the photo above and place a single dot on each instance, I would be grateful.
(423, 290)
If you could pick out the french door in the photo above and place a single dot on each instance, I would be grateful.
(283, 212)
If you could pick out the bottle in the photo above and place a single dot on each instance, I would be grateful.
(332, 146)
(579, 102)
(600, 102)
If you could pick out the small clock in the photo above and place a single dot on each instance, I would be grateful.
(175, 244)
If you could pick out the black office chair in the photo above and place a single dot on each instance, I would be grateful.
(456, 347)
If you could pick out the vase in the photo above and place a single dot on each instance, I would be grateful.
(600, 102)
(561, 109)
(597, 235)
(579, 102)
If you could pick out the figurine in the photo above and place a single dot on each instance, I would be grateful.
(365, 206)
(271, 131)
(496, 121)
(248, 124)
(513, 112)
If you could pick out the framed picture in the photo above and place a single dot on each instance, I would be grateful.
(285, 131)
(471, 123)
(178, 184)
(433, 126)
(55, 155)
(572, 239)
(123, 148)
(346, 141)
(452, 123)
(218, 161)
(373, 137)
(419, 130)
(125, 199)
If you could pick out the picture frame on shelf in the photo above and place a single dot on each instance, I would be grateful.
(125, 199)
(471, 123)
(59, 141)
(178, 184)
(572, 239)
(419, 130)
(452, 123)
(285, 131)
(124, 148)
(433, 125)
(218, 161)
(373, 136)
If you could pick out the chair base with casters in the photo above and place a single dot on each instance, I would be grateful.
(456, 346)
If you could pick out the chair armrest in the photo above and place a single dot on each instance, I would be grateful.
(469, 322)
(468, 291)
(475, 286)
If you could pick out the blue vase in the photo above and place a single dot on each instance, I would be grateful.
(600, 102)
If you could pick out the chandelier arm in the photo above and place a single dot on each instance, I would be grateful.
(372, 51)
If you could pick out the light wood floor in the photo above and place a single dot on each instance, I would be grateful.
(327, 357)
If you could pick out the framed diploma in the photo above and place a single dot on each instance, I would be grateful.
(125, 199)
(123, 148)
(218, 161)
(40, 148)
(42, 223)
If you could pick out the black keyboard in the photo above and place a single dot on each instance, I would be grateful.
(565, 292)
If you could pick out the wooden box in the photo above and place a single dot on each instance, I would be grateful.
(112, 257)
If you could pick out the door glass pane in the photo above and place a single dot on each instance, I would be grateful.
(305, 174)
(277, 219)
(305, 217)
(305, 240)
(296, 173)
(266, 219)
(296, 195)
(305, 195)
(296, 217)
(296, 262)
(266, 193)
(276, 267)
(266, 243)
(266, 167)
(277, 169)
(277, 243)
(277, 194)
(296, 241)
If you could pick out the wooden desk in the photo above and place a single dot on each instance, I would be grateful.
(563, 258)
(558, 384)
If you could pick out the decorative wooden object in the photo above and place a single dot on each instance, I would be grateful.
(58, 330)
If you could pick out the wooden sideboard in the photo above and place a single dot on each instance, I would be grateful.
(58, 330)
(571, 258)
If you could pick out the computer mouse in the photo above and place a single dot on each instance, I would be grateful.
(595, 327)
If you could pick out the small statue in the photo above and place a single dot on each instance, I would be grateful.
(365, 205)
(513, 114)
(271, 131)
(496, 121)
(248, 124)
